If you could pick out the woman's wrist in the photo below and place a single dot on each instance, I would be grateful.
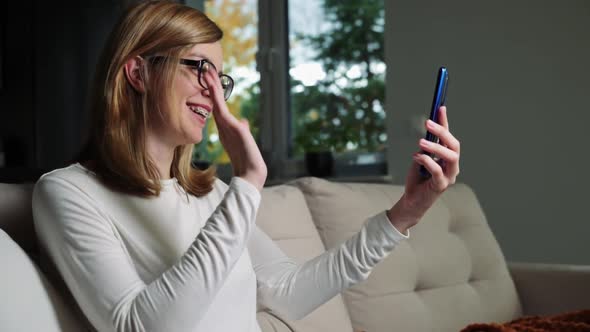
(403, 215)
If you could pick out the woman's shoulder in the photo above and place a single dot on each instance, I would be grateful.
(72, 178)
(73, 173)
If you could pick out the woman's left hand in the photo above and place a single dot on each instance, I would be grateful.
(421, 193)
(236, 137)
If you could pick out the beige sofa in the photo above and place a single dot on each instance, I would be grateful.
(450, 273)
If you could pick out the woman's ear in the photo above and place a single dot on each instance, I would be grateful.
(133, 72)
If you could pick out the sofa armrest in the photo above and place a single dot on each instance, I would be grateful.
(551, 288)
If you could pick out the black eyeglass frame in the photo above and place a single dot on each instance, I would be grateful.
(227, 82)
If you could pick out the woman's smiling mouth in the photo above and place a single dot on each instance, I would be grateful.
(200, 110)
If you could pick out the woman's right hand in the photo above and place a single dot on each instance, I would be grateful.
(235, 136)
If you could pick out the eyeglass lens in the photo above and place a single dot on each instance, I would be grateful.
(227, 83)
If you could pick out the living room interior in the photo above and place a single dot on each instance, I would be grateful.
(517, 101)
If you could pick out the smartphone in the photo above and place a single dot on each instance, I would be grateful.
(439, 99)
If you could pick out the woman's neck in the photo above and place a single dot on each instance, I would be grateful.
(161, 154)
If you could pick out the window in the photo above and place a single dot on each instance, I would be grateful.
(337, 82)
(337, 75)
(310, 75)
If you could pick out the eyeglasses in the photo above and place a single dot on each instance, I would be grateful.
(202, 66)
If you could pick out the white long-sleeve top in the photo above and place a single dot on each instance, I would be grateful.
(177, 262)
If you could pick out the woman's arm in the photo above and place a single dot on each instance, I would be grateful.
(296, 290)
(95, 265)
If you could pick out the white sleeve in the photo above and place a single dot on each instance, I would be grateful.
(92, 259)
(296, 290)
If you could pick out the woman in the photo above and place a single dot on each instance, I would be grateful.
(146, 243)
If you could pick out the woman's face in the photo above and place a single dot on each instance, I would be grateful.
(182, 124)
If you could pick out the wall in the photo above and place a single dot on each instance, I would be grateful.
(518, 101)
(68, 42)
(17, 125)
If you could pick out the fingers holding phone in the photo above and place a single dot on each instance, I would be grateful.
(440, 157)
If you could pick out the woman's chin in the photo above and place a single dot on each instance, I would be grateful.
(191, 141)
(192, 137)
(196, 140)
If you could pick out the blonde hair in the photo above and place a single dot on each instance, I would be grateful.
(120, 115)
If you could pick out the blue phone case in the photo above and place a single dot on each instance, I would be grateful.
(439, 99)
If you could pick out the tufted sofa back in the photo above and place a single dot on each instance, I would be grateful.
(450, 272)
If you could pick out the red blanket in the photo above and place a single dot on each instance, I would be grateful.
(574, 321)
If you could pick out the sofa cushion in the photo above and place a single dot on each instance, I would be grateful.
(450, 272)
(29, 302)
(284, 216)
